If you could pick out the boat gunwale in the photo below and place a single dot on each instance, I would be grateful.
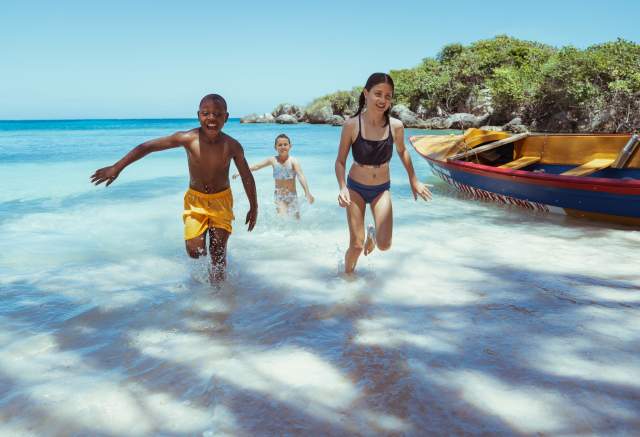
(585, 183)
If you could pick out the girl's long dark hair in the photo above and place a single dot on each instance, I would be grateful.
(374, 80)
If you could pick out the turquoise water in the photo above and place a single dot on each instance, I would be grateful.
(480, 318)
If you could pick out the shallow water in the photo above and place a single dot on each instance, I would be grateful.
(481, 319)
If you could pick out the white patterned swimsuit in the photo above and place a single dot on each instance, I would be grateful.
(283, 172)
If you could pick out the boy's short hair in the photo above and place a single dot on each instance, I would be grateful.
(214, 97)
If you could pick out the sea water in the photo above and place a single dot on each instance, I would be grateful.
(480, 319)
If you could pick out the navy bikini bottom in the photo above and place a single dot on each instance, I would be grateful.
(367, 192)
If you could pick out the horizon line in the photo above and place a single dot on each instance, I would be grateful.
(103, 119)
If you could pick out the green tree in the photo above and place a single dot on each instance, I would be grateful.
(598, 86)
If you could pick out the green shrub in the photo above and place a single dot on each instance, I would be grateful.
(341, 102)
(524, 78)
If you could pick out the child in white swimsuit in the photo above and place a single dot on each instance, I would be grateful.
(285, 170)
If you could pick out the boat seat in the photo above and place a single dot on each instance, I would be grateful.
(589, 167)
(521, 162)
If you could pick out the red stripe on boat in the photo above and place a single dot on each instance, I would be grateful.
(605, 185)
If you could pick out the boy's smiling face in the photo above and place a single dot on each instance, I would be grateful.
(212, 115)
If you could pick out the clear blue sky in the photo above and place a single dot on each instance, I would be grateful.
(145, 59)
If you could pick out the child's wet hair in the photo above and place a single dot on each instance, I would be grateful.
(375, 79)
(275, 143)
(214, 98)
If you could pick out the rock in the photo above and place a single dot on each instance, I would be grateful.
(251, 118)
(347, 113)
(493, 128)
(288, 109)
(286, 119)
(336, 120)
(437, 123)
(562, 121)
(265, 118)
(422, 112)
(255, 118)
(464, 120)
(599, 121)
(480, 103)
(515, 126)
(407, 117)
(321, 115)
(460, 121)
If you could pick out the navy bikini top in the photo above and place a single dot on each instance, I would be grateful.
(371, 152)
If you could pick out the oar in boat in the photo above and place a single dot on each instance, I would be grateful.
(626, 152)
(490, 146)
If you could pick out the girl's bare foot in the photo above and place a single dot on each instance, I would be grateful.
(370, 240)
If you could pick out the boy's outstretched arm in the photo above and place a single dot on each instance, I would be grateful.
(249, 185)
(110, 173)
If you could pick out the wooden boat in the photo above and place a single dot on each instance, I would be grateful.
(596, 176)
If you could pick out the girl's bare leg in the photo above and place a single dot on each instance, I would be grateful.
(383, 217)
(282, 208)
(369, 241)
(355, 219)
(293, 208)
(218, 249)
(287, 204)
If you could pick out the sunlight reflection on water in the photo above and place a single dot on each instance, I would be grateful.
(480, 319)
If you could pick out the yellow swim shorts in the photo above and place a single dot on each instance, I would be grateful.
(203, 211)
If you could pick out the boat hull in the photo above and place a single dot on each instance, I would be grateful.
(595, 198)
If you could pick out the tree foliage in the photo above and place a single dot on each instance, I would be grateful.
(341, 102)
(597, 88)
(594, 88)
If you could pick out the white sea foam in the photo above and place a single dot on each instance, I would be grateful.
(479, 318)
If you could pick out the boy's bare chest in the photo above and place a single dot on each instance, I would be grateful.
(208, 156)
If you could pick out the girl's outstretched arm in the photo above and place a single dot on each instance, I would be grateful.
(417, 187)
(303, 181)
(110, 173)
(258, 166)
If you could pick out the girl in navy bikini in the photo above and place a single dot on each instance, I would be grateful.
(285, 170)
(370, 134)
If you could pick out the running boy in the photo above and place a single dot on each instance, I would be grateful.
(208, 203)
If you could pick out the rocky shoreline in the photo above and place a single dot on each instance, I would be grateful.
(502, 82)
(286, 113)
